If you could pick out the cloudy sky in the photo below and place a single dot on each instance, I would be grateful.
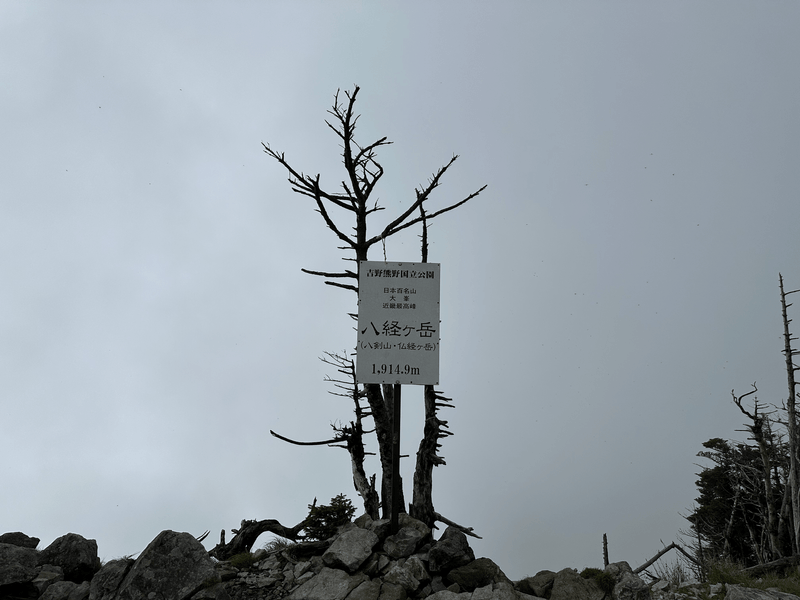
(617, 278)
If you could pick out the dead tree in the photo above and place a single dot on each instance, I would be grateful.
(248, 533)
(759, 428)
(349, 437)
(794, 468)
(362, 172)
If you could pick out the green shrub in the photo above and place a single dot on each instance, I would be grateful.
(322, 521)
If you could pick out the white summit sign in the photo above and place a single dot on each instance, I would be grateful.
(398, 323)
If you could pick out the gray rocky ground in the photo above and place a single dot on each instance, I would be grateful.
(362, 562)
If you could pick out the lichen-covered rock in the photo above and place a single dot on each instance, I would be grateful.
(350, 549)
(48, 575)
(403, 543)
(735, 592)
(215, 592)
(59, 590)
(568, 585)
(330, 584)
(402, 577)
(478, 573)
(628, 586)
(75, 554)
(368, 590)
(17, 564)
(174, 565)
(538, 585)
(106, 581)
(451, 551)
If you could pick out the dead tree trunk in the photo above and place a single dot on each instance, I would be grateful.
(661, 553)
(248, 533)
(362, 173)
(794, 468)
(759, 430)
(428, 457)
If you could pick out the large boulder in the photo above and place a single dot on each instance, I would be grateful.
(568, 585)
(73, 553)
(17, 565)
(329, 584)
(61, 590)
(174, 565)
(451, 551)
(539, 585)
(368, 590)
(106, 581)
(17, 538)
(629, 586)
(47, 576)
(403, 543)
(477, 574)
(350, 549)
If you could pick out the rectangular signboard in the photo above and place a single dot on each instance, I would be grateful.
(398, 323)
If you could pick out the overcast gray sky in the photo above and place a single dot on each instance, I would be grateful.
(617, 278)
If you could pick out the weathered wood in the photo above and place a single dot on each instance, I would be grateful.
(662, 553)
(466, 530)
(787, 561)
(248, 533)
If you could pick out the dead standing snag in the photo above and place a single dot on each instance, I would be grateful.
(362, 172)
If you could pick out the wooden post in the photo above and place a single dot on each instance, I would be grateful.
(396, 460)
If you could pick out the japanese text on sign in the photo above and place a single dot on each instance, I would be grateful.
(398, 323)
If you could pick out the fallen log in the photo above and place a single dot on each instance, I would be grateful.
(787, 561)
(662, 553)
(248, 533)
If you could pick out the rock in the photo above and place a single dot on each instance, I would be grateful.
(736, 592)
(448, 595)
(48, 574)
(568, 585)
(381, 528)
(17, 538)
(81, 591)
(106, 581)
(539, 585)
(629, 586)
(661, 585)
(505, 591)
(350, 549)
(405, 520)
(404, 542)
(478, 573)
(17, 565)
(392, 591)
(368, 590)
(174, 565)
(330, 584)
(482, 593)
(73, 553)
(451, 551)
(59, 590)
(215, 592)
(417, 570)
(400, 576)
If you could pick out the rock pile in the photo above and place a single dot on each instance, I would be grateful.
(362, 562)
